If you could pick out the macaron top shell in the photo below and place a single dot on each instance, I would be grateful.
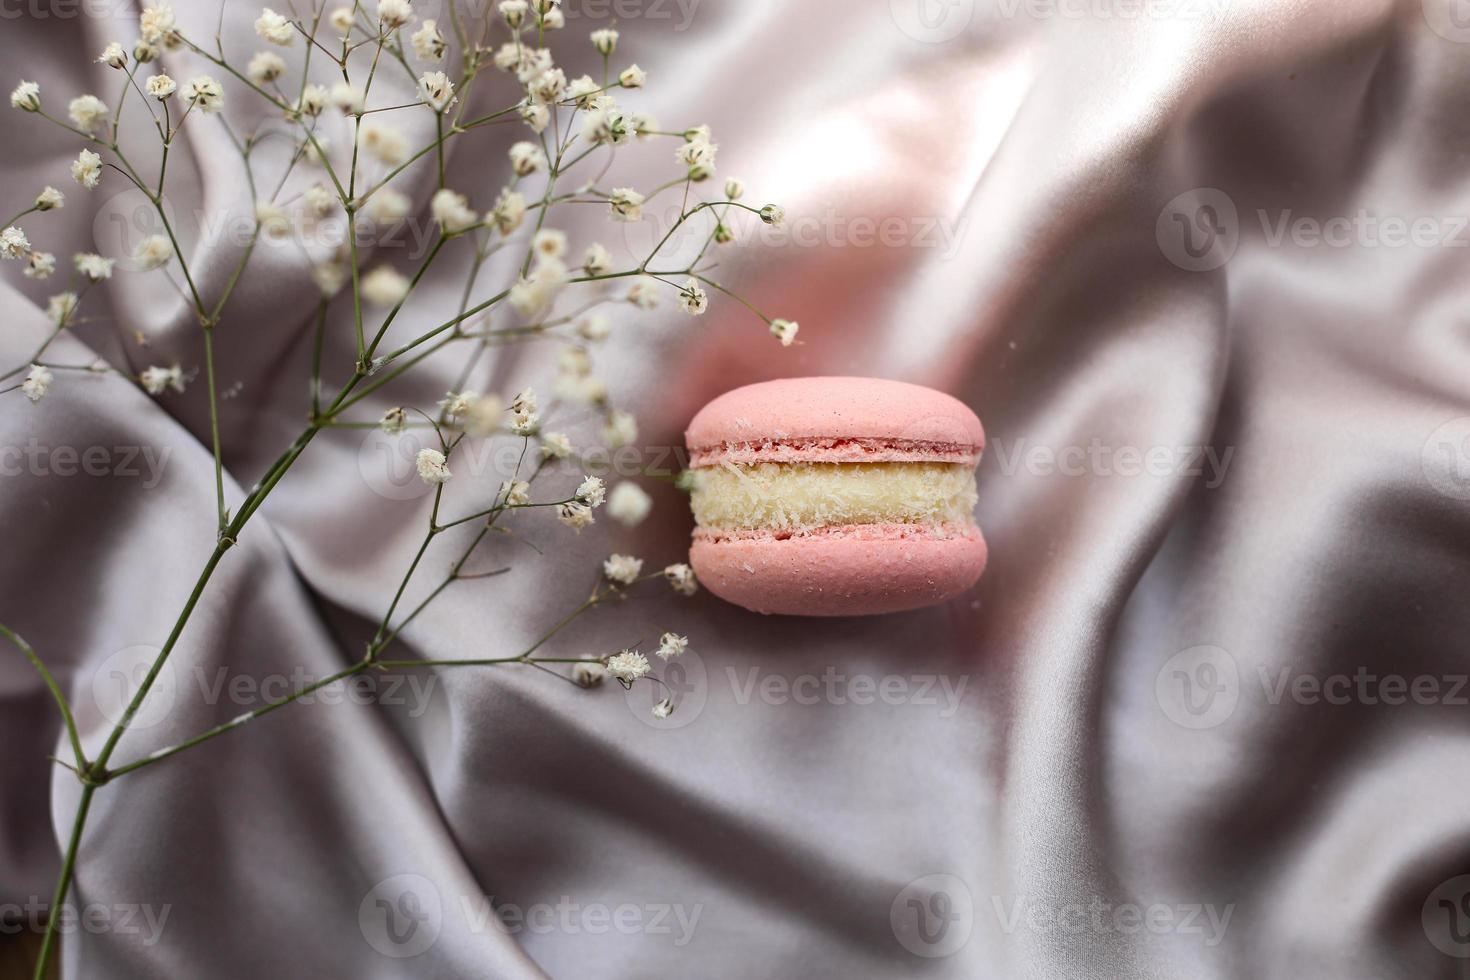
(834, 419)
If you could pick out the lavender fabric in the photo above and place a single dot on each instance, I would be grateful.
(1199, 268)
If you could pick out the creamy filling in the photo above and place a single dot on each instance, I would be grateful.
(796, 497)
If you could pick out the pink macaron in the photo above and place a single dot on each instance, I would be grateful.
(835, 496)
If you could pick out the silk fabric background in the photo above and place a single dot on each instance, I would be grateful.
(1225, 455)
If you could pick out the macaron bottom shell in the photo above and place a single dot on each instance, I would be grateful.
(854, 571)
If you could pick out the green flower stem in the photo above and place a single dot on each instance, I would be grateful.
(56, 693)
(63, 883)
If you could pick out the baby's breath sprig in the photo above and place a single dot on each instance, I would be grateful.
(347, 155)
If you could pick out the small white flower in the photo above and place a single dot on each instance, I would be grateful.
(575, 516)
(93, 266)
(394, 421)
(734, 189)
(50, 199)
(320, 199)
(436, 90)
(456, 403)
(526, 158)
(671, 645)
(524, 419)
(156, 380)
(553, 19)
(699, 157)
(26, 96)
(663, 709)
(628, 666)
(538, 117)
(153, 252)
(583, 91)
(579, 388)
(428, 41)
(40, 265)
(632, 77)
(548, 86)
(384, 286)
(384, 142)
(785, 331)
(160, 86)
(389, 206)
(605, 40)
(628, 504)
(554, 445)
(484, 416)
(341, 20)
(87, 169)
(393, 14)
(693, 299)
(644, 293)
(681, 579)
(37, 383)
(272, 220)
(606, 125)
(432, 466)
(330, 277)
(274, 28)
(516, 494)
(204, 93)
(550, 243)
(532, 62)
(621, 429)
(60, 307)
(597, 261)
(626, 204)
(514, 12)
(592, 491)
(348, 98)
(508, 56)
(525, 401)
(588, 675)
(643, 124)
(453, 212)
(773, 214)
(313, 100)
(622, 569)
(156, 23)
(594, 328)
(265, 66)
(574, 361)
(509, 211)
(530, 296)
(13, 243)
(87, 111)
(114, 56)
(143, 52)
